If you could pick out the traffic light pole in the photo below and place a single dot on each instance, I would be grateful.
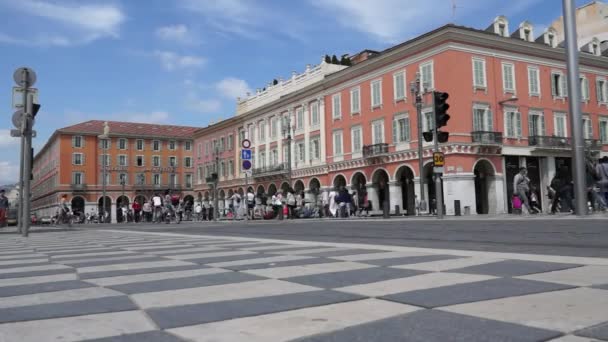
(417, 92)
(27, 166)
(437, 175)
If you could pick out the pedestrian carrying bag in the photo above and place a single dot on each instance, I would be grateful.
(516, 202)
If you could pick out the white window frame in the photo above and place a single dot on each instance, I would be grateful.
(123, 157)
(172, 142)
(315, 152)
(187, 145)
(339, 147)
(372, 86)
(561, 91)
(143, 144)
(105, 158)
(188, 180)
(587, 127)
(355, 106)
(143, 160)
(356, 152)
(484, 82)
(426, 113)
(299, 119)
(126, 143)
(81, 181)
(431, 83)
(399, 97)
(505, 87)
(122, 176)
(105, 144)
(315, 118)
(584, 88)
(536, 71)
(174, 158)
(160, 145)
(301, 151)
(77, 137)
(186, 159)
(336, 106)
(397, 139)
(542, 127)
(603, 133)
(560, 116)
(487, 118)
(601, 90)
(513, 131)
(157, 179)
(81, 155)
(262, 131)
(159, 164)
(274, 126)
(375, 123)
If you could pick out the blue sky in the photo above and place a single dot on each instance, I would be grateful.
(185, 61)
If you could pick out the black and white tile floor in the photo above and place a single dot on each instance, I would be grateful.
(129, 286)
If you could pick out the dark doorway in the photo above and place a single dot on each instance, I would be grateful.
(405, 177)
(78, 204)
(512, 168)
(484, 176)
(339, 182)
(380, 180)
(108, 208)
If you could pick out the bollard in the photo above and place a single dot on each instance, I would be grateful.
(397, 210)
(385, 210)
(456, 207)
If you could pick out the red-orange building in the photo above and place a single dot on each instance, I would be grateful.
(357, 126)
(141, 159)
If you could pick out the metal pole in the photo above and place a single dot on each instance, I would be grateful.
(437, 176)
(420, 147)
(289, 151)
(27, 166)
(103, 182)
(22, 161)
(574, 103)
(216, 210)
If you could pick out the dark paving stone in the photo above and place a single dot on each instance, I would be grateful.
(256, 245)
(408, 260)
(435, 326)
(299, 262)
(599, 331)
(153, 249)
(93, 250)
(514, 268)
(220, 243)
(474, 292)
(135, 259)
(211, 260)
(21, 257)
(105, 274)
(184, 251)
(185, 283)
(18, 290)
(150, 336)
(292, 249)
(35, 273)
(345, 252)
(66, 309)
(17, 264)
(74, 258)
(179, 316)
(601, 287)
(354, 277)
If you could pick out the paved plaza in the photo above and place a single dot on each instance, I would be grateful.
(116, 285)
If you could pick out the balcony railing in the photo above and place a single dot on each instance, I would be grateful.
(484, 137)
(375, 150)
(549, 141)
(593, 144)
(78, 187)
(157, 186)
(270, 170)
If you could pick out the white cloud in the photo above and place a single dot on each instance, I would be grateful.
(9, 172)
(79, 22)
(173, 61)
(176, 33)
(233, 87)
(6, 140)
(198, 105)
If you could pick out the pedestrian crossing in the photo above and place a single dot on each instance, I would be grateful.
(96, 285)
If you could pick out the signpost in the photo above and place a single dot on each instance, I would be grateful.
(438, 162)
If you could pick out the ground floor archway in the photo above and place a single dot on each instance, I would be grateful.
(189, 199)
(339, 182)
(107, 210)
(285, 187)
(141, 199)
(485, 192)
(429, 186)
(272, 189)
(380, 180)
(405, 179)
(298, 186)
(78, 204)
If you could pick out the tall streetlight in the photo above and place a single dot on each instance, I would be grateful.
(216, 210)
(286, 130)
(104, 138)
(417, 91)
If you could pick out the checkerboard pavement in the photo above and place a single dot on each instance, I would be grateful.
(95, 285)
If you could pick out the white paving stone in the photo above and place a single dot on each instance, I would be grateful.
(271, 248)
(77, 328)
(38, 279)
(446, 265)
(186, 250)
(303, 270)
(17, 262)
(140, 265)
(380, 255)
(33, 268)
(207, 255)
(109, 258)
(268, 260)
(419, 282)
(16, 251)
(62, 257)
(308, 251)
(217, 293)
(579, 276)
(289, 325)
(571, 338)
(57, 297)
(565, 311)
(156, 246)
(119, 280)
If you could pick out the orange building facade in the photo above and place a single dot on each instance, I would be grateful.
(141, 159)
(357, 126)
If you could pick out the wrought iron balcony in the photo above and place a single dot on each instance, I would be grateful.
(375, 150)
(78, 187)
(484, 137)
(270, 170)
(593, 144)
(550, 142)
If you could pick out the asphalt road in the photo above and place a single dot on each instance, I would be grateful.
(555, 235)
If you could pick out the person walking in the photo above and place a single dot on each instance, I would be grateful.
(250, 204)
(333, 205)
(147, 211)
(291, 204)
(325, 202)
(4, 205)
(602, 172)
(158, 207)
(136, 211)
(521, 187)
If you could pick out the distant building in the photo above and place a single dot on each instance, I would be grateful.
(141, 159)
(591, 23)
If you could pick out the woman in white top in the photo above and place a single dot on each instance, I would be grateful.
(333, 205)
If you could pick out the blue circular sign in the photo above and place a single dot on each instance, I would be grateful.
(246, 164)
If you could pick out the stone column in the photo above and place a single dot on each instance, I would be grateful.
(372, 196)
(305, 112)
(268, 140)
(459, 187)
(497, 185)
(280, 139)
(113, 213)
(547, 173)
(394, 189)
(322, 131)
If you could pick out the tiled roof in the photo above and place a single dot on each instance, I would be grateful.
(132, 129)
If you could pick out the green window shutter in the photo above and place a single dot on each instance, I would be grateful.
(395, 137)
(518, 124)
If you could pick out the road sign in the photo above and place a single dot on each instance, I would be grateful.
(18, 118)
(246, 143)
(438, 159)
(23, 76)
(15, 133)
(246, 154)
(18, 96)
(438, 169)
(249, 172)
(246, 164)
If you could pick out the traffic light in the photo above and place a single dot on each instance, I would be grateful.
(428, 136)
(441, 108)
(35, 109)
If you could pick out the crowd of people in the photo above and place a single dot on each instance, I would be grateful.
(561, 189)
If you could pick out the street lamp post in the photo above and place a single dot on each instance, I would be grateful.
(104, 138)
(417, 91)
(216, 210)
(286, 129)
